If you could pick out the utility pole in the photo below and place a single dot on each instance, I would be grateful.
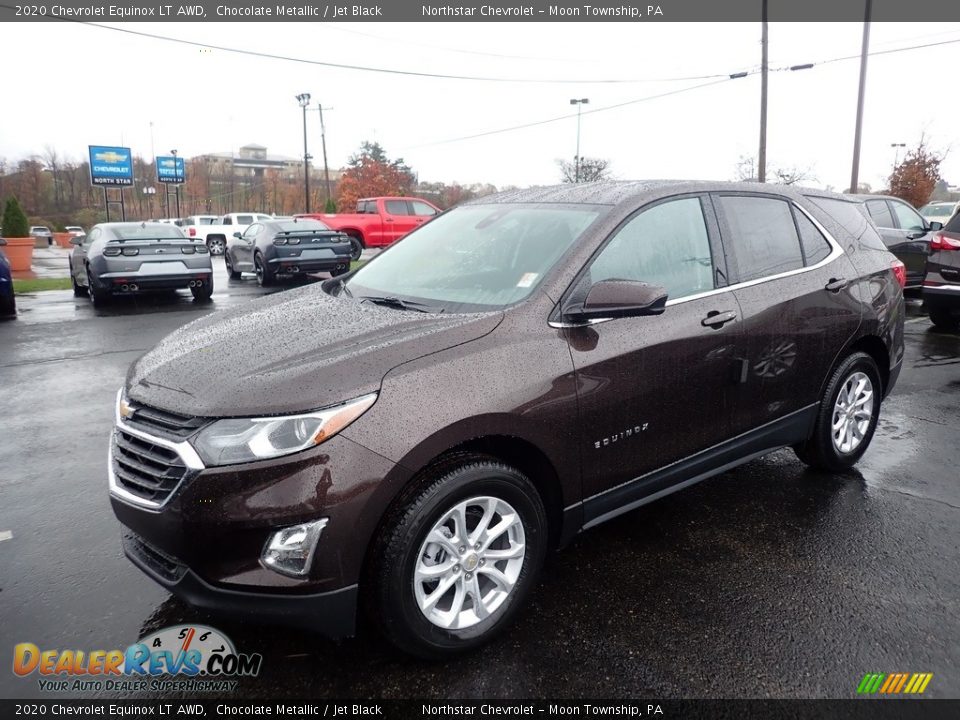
(762, 155)
(855, 172)
(896, 152)
(323, 141)
(304, 100)
(576, 158)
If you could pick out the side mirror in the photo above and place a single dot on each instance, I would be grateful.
(936, 225)
(3, 241)
(77, 239)
(236, 235)
(618, 299)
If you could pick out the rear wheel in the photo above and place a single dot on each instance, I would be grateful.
(454, 565)
(356, 248)
(265, 275)
(847, 417)
(98, 295)
(943, 319)
(234, 275)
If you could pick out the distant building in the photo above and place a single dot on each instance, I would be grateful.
(252, 160)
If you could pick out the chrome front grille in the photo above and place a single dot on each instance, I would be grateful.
(145, 469)
(150, 419)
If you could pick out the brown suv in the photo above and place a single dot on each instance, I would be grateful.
(414, 437)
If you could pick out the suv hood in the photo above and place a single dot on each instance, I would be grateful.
(291, 352)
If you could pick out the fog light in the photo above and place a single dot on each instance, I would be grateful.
(290, 551)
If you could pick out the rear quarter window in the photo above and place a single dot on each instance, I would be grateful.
(852, 218)
(763, 235)
(954, 224)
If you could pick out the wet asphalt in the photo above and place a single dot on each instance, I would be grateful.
(768, 581)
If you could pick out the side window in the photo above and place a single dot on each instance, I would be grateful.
(227, 220)
(666, 245)
(186, 222)
(815, 245)
(244, 219)
(764, 238)
(396, 207)
(879, 213)
(94, 235)
(263, 217)
(251, 231)
(422, 209)
(908, 218)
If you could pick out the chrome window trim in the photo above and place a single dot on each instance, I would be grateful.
(835, 252)
(184, 449)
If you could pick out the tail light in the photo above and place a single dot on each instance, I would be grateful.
(940, 241)
(899, 272)
(192, 232)
(111, 251)
(130, 252)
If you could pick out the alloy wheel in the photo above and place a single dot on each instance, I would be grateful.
(217, 246)
(469, 562)
(852, 413)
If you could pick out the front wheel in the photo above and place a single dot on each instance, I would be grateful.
(234, 275)
(453, 566)
(78, 290)
(847, 417)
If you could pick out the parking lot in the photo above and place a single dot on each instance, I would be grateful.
(767, 581)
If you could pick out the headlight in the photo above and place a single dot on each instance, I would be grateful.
(239, 440)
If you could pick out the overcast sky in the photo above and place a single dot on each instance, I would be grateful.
(80, 85)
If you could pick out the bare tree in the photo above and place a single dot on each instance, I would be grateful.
(746, 171)
(591, 170)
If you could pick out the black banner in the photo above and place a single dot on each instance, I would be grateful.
(473, 11)
(854, 709)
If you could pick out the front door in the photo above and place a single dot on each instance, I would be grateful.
(914, 241)
(656, 389)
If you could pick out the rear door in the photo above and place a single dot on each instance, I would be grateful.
(913, 241)
(398, 220)
(655, 390)
(794, 285)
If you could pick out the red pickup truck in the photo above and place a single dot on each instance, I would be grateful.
(378, 221)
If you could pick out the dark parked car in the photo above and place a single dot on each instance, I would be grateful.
(134, 257)
(417, 435)
(287, 247)
(905, 233)
(8, 303)
(941, 288)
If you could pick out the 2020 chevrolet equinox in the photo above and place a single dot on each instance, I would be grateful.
(414, 437)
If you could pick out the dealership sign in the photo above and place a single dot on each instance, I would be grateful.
(170, 169)
(110, 165)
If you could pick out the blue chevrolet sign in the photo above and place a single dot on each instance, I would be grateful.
(110, 165)
(170, 169)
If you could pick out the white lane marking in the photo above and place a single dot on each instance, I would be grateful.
(5, 535)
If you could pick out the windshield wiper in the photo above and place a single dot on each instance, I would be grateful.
(401, 304)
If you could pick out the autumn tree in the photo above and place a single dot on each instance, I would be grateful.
(591, 170)
(916, 176)
(370, 173)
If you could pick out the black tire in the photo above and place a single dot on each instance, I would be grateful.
(943, 319)
(820, 452)
(392, 601)
(8, 307)
(234, 275)
(356, 248)
(98, 296)
(204, 292)
(78, 290)
(216, 245)
(265, 274)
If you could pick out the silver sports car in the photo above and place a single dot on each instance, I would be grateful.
(132, 257)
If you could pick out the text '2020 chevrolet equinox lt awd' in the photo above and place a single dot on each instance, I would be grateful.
(414, 437)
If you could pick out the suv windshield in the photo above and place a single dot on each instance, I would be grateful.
(476, 257)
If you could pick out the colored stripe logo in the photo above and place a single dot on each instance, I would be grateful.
(894, 683)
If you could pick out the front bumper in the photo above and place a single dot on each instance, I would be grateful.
(205, 540)
(331, 613)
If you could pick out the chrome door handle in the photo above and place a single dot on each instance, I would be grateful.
(836, 285)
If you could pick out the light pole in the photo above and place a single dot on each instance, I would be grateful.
(304, 100)
(896, 152)
(323, 141)
(576, 158)
(176, 186)
(858, 130)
